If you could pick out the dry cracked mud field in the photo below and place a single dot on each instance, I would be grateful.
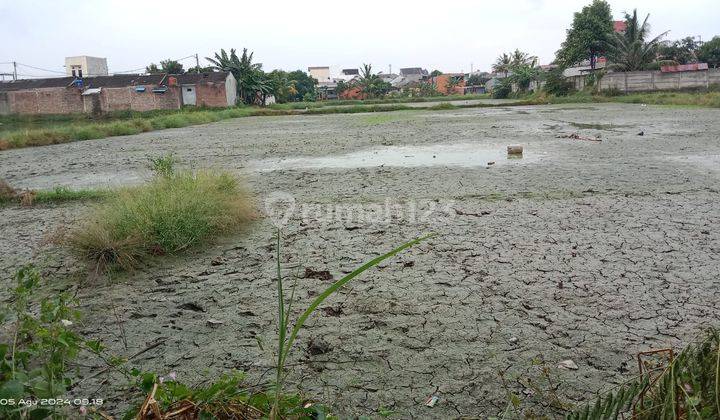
(582, 250)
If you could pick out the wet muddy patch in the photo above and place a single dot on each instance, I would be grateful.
(466, 155)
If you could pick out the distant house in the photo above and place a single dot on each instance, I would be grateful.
(320, 73)
(387, 77)
(409, 76)
(66, 95)
(86, 66)
(449, 83)
(349, 74)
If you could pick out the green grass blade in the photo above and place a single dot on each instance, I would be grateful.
(337, 285)
(717, 375)
(282, 329)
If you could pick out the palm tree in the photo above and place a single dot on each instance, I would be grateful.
(629, 51)
(502, 64)
(250, 77)
(520, 58)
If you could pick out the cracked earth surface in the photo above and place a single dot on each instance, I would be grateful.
(592, 253)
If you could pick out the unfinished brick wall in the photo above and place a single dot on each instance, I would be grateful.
(211, 95)
(126, 98)
(45, 101)
(59, 101)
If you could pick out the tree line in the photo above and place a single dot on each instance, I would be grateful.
(592, 36)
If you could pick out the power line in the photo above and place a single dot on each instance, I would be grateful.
(41, 69)
(193, 56)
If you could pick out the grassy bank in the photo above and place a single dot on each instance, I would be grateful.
(9, 195)
(691, 99)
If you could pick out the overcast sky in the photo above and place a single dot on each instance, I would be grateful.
(296, 34)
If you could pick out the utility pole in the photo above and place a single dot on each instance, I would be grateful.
(471, 67)
(197, 63)
(14, 70)
(389, 68)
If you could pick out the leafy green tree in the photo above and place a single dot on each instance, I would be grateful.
(435, 73)
(588, 36)
(709, 52)
(502, 64)
(681, 51)
(171, 67)
(523, 75)
(281, 86)
(478, 79)
(166, 66)
(201, 69)
(629, 51)
(304, 85)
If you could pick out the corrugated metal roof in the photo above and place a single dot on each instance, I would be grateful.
(117, 80)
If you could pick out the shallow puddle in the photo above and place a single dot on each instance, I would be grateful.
(459, 154)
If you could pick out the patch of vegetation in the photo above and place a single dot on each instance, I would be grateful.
(685, 99)
(173, 212)
(596, 126)
(443, 106)
(557, 84)
(227, 397)
(378, 119)
(64, 194)
(688, 386)
(354, 109)
(68, 130)
(36, 345)
(502, 90)
(57, 195)
(7, 193)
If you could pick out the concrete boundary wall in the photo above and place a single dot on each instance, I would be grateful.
(649, 81)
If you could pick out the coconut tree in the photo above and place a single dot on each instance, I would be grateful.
(521, 58)
(629, 51)
(502, 64)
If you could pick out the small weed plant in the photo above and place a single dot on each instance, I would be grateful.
(287, 331)
(36, 344)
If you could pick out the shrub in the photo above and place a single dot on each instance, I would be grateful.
(168, 215)
(557, 84)
(502, 90)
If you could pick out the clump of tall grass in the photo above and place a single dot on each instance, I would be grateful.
(173, 212)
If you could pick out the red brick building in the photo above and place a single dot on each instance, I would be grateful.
(67, 95)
